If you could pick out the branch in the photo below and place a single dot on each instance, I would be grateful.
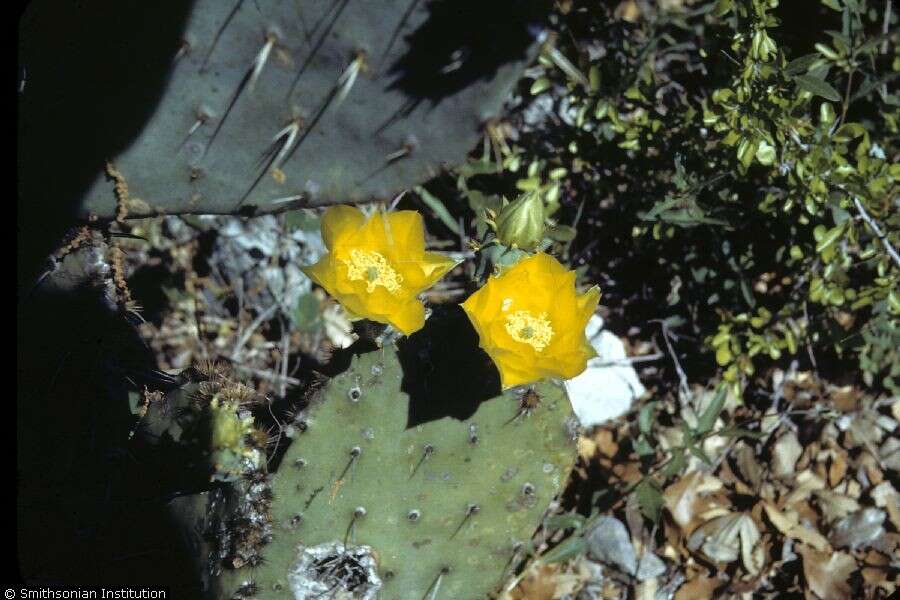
(877, 230)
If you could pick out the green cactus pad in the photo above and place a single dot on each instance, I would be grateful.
(434, 74)
(364, 507)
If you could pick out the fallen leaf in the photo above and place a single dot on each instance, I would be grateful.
(890, 454)
(874, 474)
(886, 497)
(785, 455)
(876, 570)
(806, 482)
(747, 464)
(725, 538)
(699, 588)
(827, 574)
(683, 499)
(834, 505)
(680, 496)
(861, 528)
(846, 398)
(606, 443)
(586, 448)
(538, 584)
(788, 524)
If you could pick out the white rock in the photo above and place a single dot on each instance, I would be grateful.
(609, 385)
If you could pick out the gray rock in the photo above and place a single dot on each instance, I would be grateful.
(608, 541)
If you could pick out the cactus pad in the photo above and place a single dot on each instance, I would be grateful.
(363, 507)
(271, 105)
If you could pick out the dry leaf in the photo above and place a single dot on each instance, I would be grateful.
(747, 464)
(876, 570)
(834, 506)
(785, 455)
(689, 499)
(699, 588)
(725, 538)
(680, 496)
(807, 482)
(886, 497)
(538, 584)
(890, 454)
(586, 448)
(788, 524)
(606, 443)
(827, 573)
(846, 398)
(862, 528)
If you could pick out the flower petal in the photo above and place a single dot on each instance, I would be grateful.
(340, 222)
(425, 272)
(322, 273)
(588, 301)
(407, 229)
(409, 317)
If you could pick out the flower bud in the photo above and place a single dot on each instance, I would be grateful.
(520, 224)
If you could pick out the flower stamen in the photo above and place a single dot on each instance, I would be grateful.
(374, 269)
(524, 327)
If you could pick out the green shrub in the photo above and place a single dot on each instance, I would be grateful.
(753, 167)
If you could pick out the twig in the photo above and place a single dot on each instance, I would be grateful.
(245, 337)
(683, 388)
(847, 97)
(877, 230)
(267, 375)
(625, 362)
(885, 26)
(809, 348)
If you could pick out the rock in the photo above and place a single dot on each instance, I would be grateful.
(608, 541)
(609, 385)
(651, 566)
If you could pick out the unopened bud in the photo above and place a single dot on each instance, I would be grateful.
(520, 224)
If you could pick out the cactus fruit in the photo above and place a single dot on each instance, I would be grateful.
(271, 105)
(363, 507)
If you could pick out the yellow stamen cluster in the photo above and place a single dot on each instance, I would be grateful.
(524, 327)
(374, 268)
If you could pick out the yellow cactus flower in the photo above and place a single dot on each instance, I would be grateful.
(531, 321)
(377, 267)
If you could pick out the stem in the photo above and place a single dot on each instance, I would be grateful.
(877, 231)
(847, 97)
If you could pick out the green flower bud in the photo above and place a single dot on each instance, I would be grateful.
(520, 224)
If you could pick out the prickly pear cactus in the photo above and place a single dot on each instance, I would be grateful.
(271, 105)
(362, 507)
